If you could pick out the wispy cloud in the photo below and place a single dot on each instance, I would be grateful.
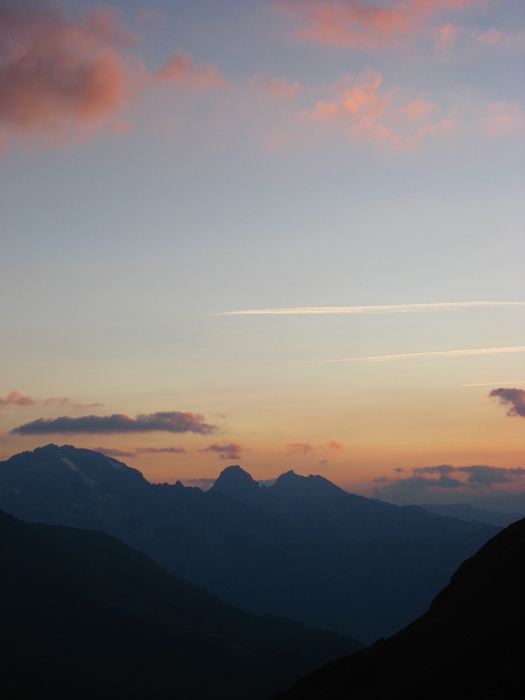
(413, 355)
(300, 448)
(114, 452)
(390, 309)
(276, 86)
(133, 452)
(167, 421)
(305, 448)
(226, 450)
(358, 25)
(179, 68)
(15, 398)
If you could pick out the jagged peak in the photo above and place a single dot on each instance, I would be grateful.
(235, 481)
(235, 474)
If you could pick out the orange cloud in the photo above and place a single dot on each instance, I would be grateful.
(358, 25)
(179, 68)
(300, 448)
(335, 444)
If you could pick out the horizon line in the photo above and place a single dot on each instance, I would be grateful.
(394, 308)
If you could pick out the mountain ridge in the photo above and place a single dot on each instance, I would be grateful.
(468, 644)
(321, 556)
(84, 616)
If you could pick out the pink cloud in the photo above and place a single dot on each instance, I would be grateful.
(446, 38)
(277, 87)
(360, 108)
(150, 16)
(359, 25)
(15, 398)
(366, 112)
(58, 73)
(445, 126)
(501, 118)
(63, 79)
(493, 36)
(334, 444)
(356, 26)
(179, 68)
(418, 109)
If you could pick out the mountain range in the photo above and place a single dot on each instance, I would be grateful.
(84, 616)
(469, 644)
(302, 548)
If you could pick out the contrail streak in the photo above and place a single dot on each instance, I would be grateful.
(412, 355)
(392, 309)
(495, 384)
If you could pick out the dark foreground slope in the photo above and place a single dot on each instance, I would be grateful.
(84, 616)
(302, 548)
(470, 644)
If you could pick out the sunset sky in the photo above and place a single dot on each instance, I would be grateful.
(349, 175)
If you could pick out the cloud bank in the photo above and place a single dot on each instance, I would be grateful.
(171, 422)
(443, 479)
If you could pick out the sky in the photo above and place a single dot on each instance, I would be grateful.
(285, 234)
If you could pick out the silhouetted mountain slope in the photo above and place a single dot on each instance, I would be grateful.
(85, 616)
(464, 511)
(470, 644)
(302, 548)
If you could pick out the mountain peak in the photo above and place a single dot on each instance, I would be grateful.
(291, 485)
(234, 481)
